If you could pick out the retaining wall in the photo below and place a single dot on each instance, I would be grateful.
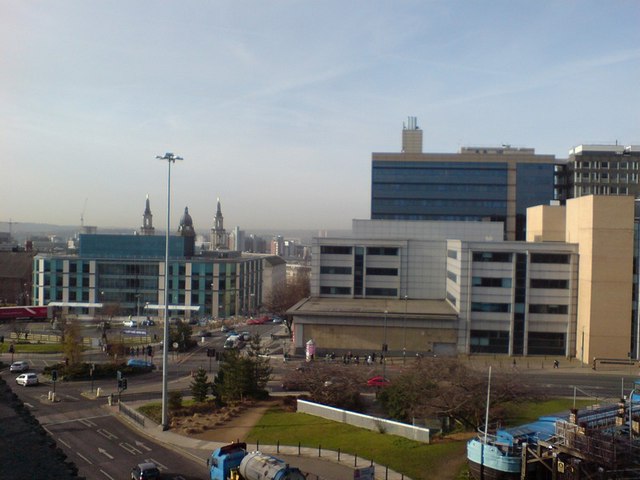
(419, 434)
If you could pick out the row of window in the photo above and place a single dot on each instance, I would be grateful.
(497, 341)
(330, 270)
(506, 308)
(345, 250)
(610, 165)
(433, 203)
(600, 190)
(369, 292)
(506, 257)
(605, 177)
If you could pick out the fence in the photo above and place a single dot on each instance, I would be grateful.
(131, 413)
(375, 424)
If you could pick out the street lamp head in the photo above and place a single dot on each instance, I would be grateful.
(169, 156)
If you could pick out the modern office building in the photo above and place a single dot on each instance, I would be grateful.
(457, 287)
(476, 184)
(602, 170)
(127, 271)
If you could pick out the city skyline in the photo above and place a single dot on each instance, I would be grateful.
(276, 108)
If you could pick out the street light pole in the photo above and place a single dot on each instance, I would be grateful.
(404, 332)
(385, 347)
(169, 158)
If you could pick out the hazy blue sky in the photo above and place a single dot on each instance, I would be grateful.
(276, 106)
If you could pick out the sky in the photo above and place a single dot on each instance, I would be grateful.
(276, 106)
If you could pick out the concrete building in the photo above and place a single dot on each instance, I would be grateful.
(476, 184)
(458, 288)
(602, 170)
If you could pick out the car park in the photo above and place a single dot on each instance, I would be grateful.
(145, 471)
(27, 379)
(20, 366)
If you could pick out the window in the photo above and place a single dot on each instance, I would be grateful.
(335, 250)
(452, 276)
(490, 307)
(452, 254)
(381, 292)
(549, 309)
(335, 290)
(548, 283)
(389, 272)
(489, 341)
(451, 298)
(543, 343)
(388, 251)
(335, 270)
(491, 257)
(550, 258)
(491, 282)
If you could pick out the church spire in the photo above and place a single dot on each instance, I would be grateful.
(147, 220)
(218, 234)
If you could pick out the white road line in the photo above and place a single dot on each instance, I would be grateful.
(64, 443)
(158, 464)
(87, 423)
(28, 405)
(106, 434)
(84, 458)
(130, 448)
(71, 397)
(107, 475)
(142, 445)
(105, 453)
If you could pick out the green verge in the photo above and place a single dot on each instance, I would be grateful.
(33, 348)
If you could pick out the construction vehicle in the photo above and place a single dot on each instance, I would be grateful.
(233, 462)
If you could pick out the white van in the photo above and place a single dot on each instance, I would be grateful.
(233, 341)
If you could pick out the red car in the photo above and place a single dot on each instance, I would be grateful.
(378, 381)
(258, 321)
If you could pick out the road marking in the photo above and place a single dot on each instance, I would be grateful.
(28, 405)
(142, 445)
(71, 397)
(130, 448)
(158, 464)
(64, 443)
(106, 434)
(84, 458)
(105, 453)
(87, 423)
(107, 475)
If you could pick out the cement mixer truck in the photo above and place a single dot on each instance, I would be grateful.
(233, 462)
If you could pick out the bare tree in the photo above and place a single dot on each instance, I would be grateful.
(447, 388)
(72, 342)
(286, 294)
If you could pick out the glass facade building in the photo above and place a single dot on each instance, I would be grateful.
(128, 271)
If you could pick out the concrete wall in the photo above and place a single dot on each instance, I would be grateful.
(419, 434)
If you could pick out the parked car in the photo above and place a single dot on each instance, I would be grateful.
(20, 366)
(204, 333)
(246, 336)
(148, 323)
(130, 323)
(145, 471)
(224, 328)
(277, 320)
(378, 381)
(141, 364)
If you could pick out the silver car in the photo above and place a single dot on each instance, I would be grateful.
(27, 379)
(20, 366)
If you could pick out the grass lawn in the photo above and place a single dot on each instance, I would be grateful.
(34, 348)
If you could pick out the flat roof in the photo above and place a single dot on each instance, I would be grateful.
(369, 306)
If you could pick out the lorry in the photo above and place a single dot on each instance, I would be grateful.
(234, 462)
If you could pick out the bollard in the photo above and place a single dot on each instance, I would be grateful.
(278, 446)
(53, 396)
(319, 451)
(338, 455)
(98, 392)
(110, 399)
(49, 395)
